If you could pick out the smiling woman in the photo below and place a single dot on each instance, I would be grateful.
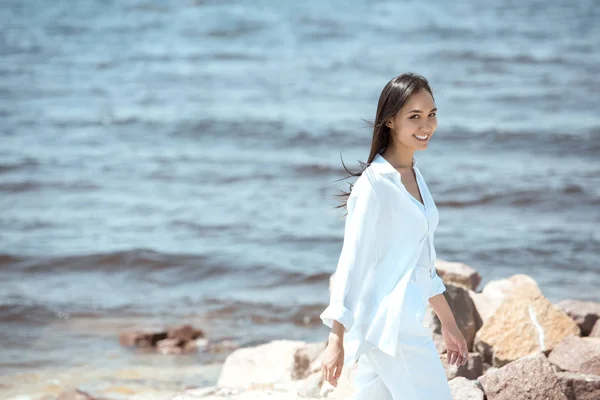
(386, 271)
(420, 124)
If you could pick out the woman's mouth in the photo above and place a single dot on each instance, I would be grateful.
(422, 138)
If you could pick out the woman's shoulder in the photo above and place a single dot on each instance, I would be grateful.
(367, 184)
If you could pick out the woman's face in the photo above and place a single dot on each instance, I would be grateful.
(415, 123)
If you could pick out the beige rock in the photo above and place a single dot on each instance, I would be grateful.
(579, 386)
(530, 378)
(273, 362)
(464, 312)
(458, 274)
(484, 306)
(576, 354)
(584, 313)
(519, 284)
(312, 385)
(465, 389)
(521, 326)
(494, 293)
(473, 369)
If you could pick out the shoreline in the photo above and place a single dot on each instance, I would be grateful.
(502, 323)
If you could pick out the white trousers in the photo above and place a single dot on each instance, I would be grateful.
(415, 373)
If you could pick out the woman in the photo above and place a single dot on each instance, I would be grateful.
(386, 271)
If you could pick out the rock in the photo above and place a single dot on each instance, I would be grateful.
(473, 369)
(595, 330)
(141, 338)
(307, 360)
(484, 306)
(312, 385)
(584, 313)
(491, 369)
(485, 366)
(279, 361)
(577, 354)
(175, 340)
(530, 378)
(464, 389)
(464, 312)
(458, 274)
(496, 291)
(185, 333)
(169, 346)
(521, 326)
(579, 386)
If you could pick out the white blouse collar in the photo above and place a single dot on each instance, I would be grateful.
(381, 166)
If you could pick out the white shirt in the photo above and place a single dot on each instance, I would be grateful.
(387, 234)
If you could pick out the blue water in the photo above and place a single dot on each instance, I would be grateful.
(176, 160)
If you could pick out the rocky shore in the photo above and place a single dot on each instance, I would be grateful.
(521, 346)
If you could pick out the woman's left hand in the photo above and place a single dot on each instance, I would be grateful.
(456, 345)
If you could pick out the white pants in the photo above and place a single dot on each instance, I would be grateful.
(415, 373)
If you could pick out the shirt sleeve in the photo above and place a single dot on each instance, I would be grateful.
(437, 285)
(357, 256)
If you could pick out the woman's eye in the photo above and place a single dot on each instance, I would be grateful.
(432, 114)
(413, 116)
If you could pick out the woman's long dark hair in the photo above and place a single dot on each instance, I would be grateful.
(393, 97)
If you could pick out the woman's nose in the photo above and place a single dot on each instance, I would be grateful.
(426, 128)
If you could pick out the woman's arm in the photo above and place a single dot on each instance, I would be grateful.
(358, 255)
(442, 309)
(456, 344)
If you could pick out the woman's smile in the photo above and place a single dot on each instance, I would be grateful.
(422, 138)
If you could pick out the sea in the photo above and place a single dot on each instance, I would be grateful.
(177, 162)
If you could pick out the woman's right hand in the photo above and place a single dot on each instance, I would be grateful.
(333, 359)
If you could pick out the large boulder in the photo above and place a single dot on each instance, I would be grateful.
(530, 378)
(458, 274)
(279, 361)
(465, 389)
(496, 291)
(584, 313)
(521, 326)
(579, 386)
(576, 354)
(464, 312)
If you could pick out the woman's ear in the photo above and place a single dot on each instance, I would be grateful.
(389, 124)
